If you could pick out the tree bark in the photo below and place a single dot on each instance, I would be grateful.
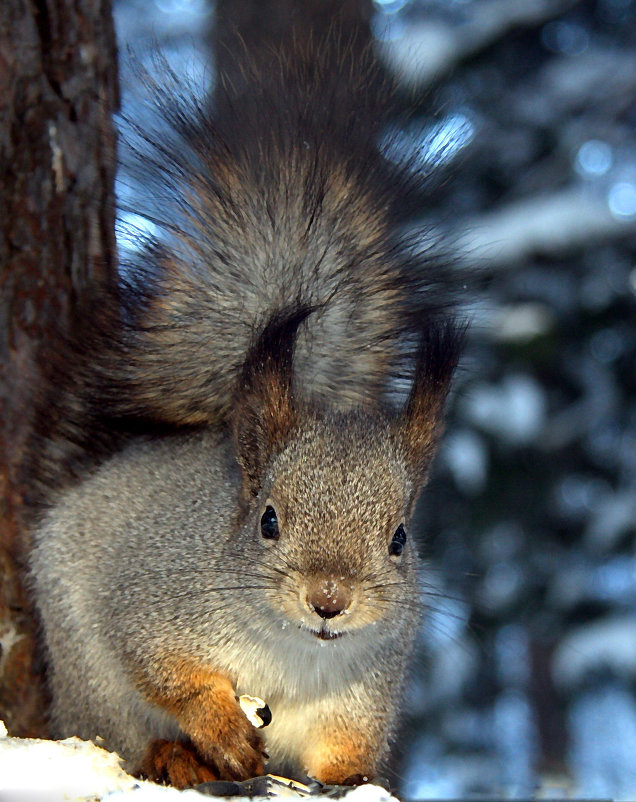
(58, 92)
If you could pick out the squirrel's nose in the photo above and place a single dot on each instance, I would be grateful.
(328, 597)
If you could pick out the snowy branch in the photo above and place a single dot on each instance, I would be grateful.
(428, 49)
(563, 222)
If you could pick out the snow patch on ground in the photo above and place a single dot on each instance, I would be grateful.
(72, 770)
(80, 771)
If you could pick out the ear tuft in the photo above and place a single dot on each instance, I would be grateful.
(265, 412)
(422, 420)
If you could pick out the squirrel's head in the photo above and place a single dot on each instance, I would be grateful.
(329, 494)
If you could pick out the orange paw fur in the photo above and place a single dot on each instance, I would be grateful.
(207, 710)
(175, 763)
(342, 759)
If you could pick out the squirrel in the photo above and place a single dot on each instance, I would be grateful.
(222, 484)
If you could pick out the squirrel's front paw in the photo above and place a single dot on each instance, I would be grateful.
(175, 763)
(235, 749)
(208, 712)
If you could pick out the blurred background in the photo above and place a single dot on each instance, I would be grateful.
(525, 110)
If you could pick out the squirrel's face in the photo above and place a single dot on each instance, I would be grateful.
(332, 520)
(329, 494)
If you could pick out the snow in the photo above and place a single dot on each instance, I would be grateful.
(606, 645)
(8, 638)
(369, 793)
(552, 224)
(603, 733)
(465, 454)
(71, 770)
(80, 771)
(419, 50)
(514, 409)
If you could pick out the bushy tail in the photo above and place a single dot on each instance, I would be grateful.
(286, 201)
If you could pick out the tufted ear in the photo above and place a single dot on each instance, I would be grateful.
(265, 412)
(421, 422)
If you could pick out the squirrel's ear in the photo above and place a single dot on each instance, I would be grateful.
(422, 420)
(265, 412)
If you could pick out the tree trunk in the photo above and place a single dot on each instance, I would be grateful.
(58, 92)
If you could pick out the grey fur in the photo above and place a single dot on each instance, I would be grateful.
(128, 564)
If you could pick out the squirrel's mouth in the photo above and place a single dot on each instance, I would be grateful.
(325, 634)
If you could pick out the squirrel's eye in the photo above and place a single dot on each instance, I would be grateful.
(269, 524)
(396, 546)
